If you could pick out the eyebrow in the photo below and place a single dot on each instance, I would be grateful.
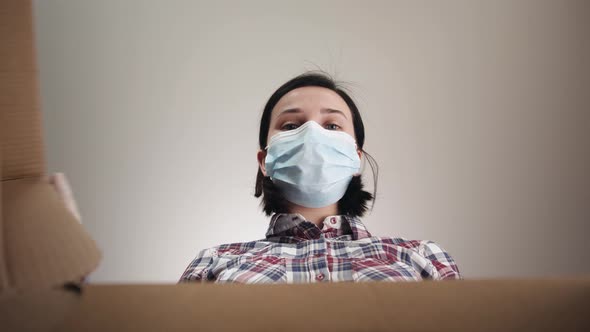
(323, 110)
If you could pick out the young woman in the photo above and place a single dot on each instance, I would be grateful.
(311, 145)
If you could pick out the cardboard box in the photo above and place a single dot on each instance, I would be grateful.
(45, 253)
(42, 247)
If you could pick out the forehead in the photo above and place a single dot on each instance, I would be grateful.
(311, 99)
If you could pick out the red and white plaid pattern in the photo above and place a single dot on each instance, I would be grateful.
(297, 251)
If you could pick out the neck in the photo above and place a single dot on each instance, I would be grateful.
(315, 215)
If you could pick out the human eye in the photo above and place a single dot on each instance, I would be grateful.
(289, 126)
(332, 126)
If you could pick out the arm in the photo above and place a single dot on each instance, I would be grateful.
(199, 269)
(441, 259)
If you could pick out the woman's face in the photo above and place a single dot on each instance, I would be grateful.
(313, 103)
(300, 105)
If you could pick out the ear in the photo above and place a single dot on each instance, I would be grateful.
(261, 156)
(360, 153)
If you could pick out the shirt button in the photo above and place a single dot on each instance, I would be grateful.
(320, 277)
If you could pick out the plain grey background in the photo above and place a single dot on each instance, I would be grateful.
(477, 112)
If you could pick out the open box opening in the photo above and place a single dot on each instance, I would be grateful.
(46, 253)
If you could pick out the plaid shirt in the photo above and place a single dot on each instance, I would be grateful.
(297, 251)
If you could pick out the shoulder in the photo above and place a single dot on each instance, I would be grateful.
(209, 258)
(444, 264)
(236, 248)
(426, 247)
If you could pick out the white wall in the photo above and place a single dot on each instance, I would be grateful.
(477, 112)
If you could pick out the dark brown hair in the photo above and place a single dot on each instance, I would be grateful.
(354, 202)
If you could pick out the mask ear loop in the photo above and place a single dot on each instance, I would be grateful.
(363, 161)
(266, 149)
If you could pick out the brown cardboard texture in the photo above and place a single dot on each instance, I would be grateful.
(42, 244)
(35, 310)
(468, 305)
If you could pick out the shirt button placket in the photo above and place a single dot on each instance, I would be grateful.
(322, 274)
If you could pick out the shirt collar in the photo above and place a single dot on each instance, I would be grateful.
(296, 226)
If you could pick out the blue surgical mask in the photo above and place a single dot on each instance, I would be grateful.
(311, 165)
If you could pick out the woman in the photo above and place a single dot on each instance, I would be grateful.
(311, 144)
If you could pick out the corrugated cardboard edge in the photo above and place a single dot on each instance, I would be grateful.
(42, 245)
(20, 126)
(18, 104)
(3, 267)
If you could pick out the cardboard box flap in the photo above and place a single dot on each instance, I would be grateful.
(466, 305)
(20, 121)
(44, 245)
(41, 244)
(39, 310)
(3, 267)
